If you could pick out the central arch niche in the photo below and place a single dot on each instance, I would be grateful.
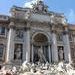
(40, 39)
(40, 48)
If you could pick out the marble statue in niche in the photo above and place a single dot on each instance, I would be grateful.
(61, 54)
(18, 52)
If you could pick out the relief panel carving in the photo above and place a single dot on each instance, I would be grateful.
(19, 34)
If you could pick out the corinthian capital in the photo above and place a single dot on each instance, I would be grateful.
(11, 25)
(53, 28)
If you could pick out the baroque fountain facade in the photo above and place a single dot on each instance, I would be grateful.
(39, 39)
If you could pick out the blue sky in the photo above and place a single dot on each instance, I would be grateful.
(61, 6)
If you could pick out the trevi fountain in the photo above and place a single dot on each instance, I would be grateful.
(42, 65)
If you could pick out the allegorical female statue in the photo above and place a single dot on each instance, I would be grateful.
(18, 53)
(61, 54)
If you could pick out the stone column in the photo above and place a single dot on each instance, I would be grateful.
(49, 50)
(67, 54)
(10, 44)
(26, 44)
(32, 53)
(24, 47)
(54, 47)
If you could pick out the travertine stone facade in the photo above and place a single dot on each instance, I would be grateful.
(36, 35)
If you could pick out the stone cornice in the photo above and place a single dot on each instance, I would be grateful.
(55, 21)
(26, 28)
(19, 20)
(65, 32)
(53, 31)
(18, 8)
(38, 43)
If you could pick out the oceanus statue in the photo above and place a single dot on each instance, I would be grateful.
(42, 57)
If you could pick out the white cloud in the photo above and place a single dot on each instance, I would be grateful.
(71, 16)
(29, 3)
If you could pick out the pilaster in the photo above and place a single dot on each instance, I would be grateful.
(54, 45)
(67, 53)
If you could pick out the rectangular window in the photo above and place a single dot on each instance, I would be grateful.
(2, 30)
(1, 51)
